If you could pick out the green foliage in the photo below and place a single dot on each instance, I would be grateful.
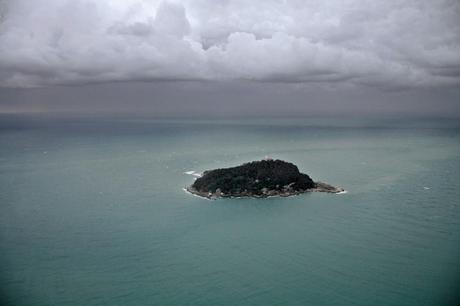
(253, 177)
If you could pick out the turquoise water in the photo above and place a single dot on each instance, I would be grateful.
(93, 213)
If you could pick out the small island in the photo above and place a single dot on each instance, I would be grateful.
(257, 179)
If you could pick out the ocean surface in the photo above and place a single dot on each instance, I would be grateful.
(92, 212)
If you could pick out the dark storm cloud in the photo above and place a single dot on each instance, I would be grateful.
(388, 44)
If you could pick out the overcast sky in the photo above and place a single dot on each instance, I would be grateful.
(296, 54)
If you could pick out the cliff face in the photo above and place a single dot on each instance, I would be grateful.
(258, 178)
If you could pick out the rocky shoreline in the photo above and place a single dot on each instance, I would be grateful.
(258, 179)
(320, 187)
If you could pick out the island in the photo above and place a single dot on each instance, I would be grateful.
(257, 179)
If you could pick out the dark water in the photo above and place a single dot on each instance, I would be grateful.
(93, 213)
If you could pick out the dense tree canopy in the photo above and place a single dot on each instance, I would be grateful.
(254, 177)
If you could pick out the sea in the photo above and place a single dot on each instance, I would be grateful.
(93, 212)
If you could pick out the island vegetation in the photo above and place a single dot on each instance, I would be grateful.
(257, 179)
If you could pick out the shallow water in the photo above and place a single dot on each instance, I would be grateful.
(93, 213)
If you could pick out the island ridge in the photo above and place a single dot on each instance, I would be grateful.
(257, 179)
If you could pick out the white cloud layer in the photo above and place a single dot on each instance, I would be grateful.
(389, 44)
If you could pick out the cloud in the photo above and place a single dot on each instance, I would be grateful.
(388, 44)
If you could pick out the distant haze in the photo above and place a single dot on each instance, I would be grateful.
(230, 56)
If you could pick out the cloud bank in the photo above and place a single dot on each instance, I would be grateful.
(388, 44)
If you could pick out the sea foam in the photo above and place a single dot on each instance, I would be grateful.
(194, 173)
